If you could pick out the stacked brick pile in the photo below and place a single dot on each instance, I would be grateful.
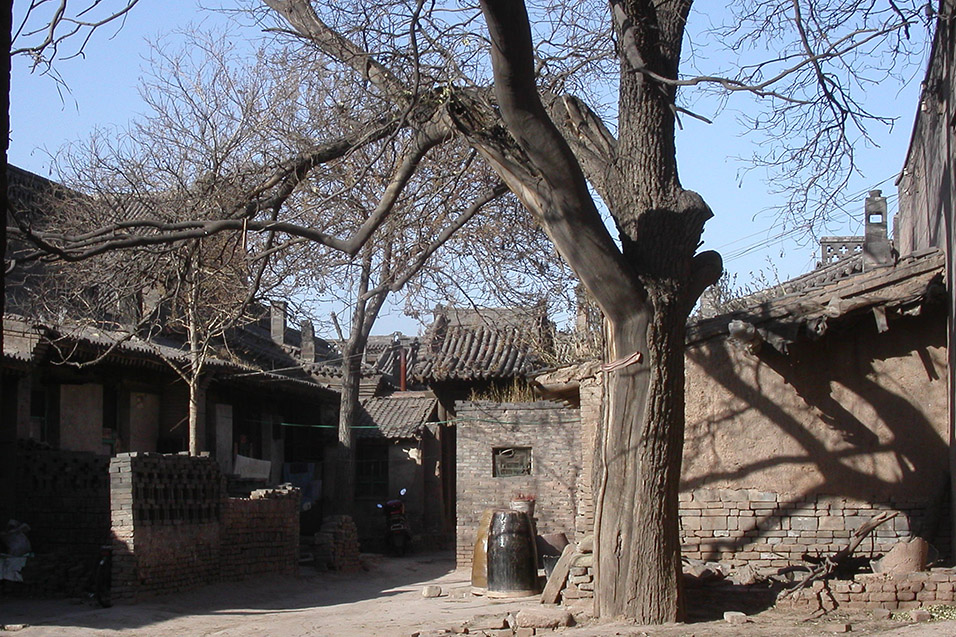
(765, 529)
(165, 514)
(337, 544)
(260, 534)
(872, 590)
(64, 496)
(58, 574)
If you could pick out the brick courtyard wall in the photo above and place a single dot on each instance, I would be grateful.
(260, 534)
(767, 529)
(551, 430)
(174, 529)
(166, 523)
(592, 393)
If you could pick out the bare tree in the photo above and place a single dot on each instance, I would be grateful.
(179, 300)
(417, 74)
(48, 30)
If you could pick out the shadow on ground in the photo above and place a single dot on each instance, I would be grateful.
(709, 602)
(259, 596)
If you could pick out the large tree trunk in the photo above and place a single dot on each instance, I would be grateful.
(645, 289)
(638, 459)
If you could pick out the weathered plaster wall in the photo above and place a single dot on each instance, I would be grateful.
(788, 454)
(855, 414)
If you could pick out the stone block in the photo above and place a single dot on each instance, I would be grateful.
(487, 622)
(734, 495)
(831, 523)
(920, 615)
(543, 617)
(713, 522)
(736, 618)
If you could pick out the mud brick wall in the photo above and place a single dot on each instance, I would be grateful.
(260, 534)
(767, 529)
(64, 496)
(166, 523)
(551, 430)
(872, 590)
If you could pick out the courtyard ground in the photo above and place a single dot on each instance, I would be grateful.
(384, 600)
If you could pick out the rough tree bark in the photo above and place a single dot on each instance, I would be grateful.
(646, 289)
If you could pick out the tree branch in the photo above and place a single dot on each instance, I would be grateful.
(559, 195)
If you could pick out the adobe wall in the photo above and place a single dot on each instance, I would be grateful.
(552, 431)
(790, 454)
(856, 414)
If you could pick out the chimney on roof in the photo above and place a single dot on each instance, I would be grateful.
(877, 250)
(277, 322)
(307, 352)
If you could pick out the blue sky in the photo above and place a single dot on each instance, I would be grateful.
(103, 92)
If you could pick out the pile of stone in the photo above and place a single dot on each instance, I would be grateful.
(523, 623)
(573, 575)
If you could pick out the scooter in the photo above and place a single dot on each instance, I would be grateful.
(397, 533)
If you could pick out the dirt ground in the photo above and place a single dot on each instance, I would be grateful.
(384, 600)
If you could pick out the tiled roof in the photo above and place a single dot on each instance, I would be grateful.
(122, 348)
(806, 306)
(397, 416)
(471, 346)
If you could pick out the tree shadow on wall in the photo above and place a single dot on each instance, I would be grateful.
(848, 358)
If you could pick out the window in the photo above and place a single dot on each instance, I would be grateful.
(508, 462)
(371, 471)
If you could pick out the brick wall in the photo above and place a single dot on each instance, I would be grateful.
(553, 433)
(173, 528)
(768, 529)
(260, 534)
(592, 395)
